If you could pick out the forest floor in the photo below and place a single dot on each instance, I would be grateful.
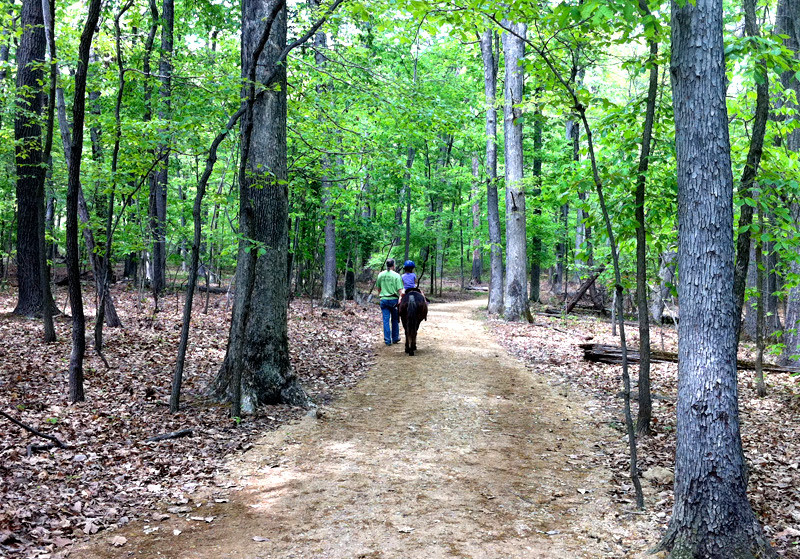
(495, 440)
(459, 451)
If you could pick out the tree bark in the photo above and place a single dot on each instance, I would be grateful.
(645, 403)
(160, 179)
(407, 194)
(48, 7)
(712, 517)
(110, 312)
(536, 270)
(76, 393)
(787, 22)
(28, 156)
(746, 185)
(257, 369)
(761, 388)
(477, 253)
(490, 61)
(515, 296)
(329, 263)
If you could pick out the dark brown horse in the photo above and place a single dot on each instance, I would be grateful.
(413, 310)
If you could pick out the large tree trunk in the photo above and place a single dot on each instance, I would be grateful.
(645, 402)
(787, 22)
(258, 346)
(712, 517)
(30, 168)
(515, 295)
(490, 61)
(160, 178)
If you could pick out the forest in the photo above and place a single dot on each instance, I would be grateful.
(600, 198)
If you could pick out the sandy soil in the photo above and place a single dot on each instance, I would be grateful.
(459, 451)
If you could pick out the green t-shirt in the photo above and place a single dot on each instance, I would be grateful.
(390, 283)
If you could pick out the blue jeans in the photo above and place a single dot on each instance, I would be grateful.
(389, 311)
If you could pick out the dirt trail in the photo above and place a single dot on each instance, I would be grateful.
(456, 452)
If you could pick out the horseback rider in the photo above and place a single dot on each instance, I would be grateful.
(410, 278)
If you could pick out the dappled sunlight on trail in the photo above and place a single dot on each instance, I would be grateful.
(458, 451)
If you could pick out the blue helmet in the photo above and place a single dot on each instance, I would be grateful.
(409, 264)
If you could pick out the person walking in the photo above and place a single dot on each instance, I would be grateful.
(390, 286)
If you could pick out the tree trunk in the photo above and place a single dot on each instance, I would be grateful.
(490, 61)
(746, 186)
(536, 270)
(48, 7)
(666, 278)
(515, 295)
(645, 403)
(329, 262)
(101, 284)
(30, 167)
(160, 178)
(407, 191)
(787, 22)
(477, 253)
(759, 264)
(257, 364)
(712, 517)
(73, 187)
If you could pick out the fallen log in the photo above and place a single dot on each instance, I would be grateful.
(212, 289)
(584, 288)
(601, 353)
(173, 435)
(55, 442)
(483, 288)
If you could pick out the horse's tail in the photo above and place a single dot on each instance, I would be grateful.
(412, 309)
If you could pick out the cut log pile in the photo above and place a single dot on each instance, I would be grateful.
(601, 353)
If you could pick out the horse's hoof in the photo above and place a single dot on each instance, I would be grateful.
(411, 353)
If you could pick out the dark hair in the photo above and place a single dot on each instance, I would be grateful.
(390, 263)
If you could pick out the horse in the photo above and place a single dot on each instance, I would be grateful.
(413, 310)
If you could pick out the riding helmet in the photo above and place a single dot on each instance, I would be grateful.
(409, 264)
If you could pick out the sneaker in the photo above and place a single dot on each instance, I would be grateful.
(389, 345)
(396, 342)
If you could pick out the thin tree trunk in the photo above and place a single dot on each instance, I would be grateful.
(747, 182)
(76, 393)
(329, 262)
(787, 23)
(760, 386)
(536, 270)
(407, 191)
(48, 7)
(158, 188)
(477, 253)
(211, 159)
(105, 267)
(645, 403)
(110, 312)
